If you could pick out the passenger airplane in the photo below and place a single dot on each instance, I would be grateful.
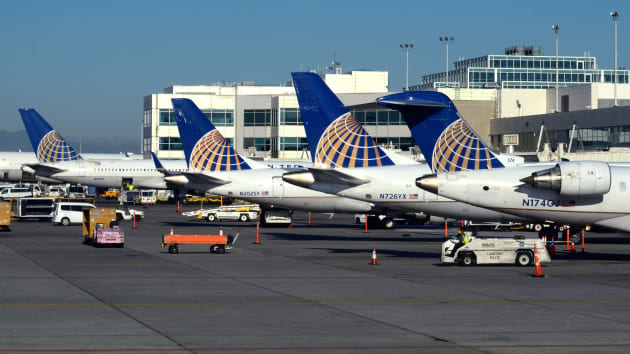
(220, 170)
(59, 161)
(48, 145)
(574, 193)
(348, 163)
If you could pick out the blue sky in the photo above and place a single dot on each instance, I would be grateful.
(86, 65)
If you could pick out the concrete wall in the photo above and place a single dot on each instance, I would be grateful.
(477, 114)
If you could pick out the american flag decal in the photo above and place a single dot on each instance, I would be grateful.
(265, 193)
(413, 196)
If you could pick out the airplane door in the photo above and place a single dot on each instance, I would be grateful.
(277, 189)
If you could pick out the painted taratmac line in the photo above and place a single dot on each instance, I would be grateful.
(53, 148)
(213, 153)
(345, 143)
(458, 148)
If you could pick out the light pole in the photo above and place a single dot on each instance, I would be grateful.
(615, 16)
(445, 40)
(406, 47)
(556, 29)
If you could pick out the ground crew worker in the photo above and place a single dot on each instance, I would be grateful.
(462, 238)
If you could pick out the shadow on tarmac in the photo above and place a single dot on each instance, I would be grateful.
(381, 252)
(352, 237)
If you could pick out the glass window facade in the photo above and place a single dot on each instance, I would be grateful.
(261, 144)
(218, 117)
(378, 117)
(170, 143)
(293, 144)
(290, 116)
(257, 117)
(521, 71)
(586, 139)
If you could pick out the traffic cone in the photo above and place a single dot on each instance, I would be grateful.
(552, 248)
(572, 247)
(538, 267)
(374, 259)
(221, 230)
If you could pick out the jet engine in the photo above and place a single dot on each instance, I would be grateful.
(574, 179)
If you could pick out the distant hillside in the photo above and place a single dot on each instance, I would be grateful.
(14, 141)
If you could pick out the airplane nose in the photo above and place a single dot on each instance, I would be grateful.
(428, 182)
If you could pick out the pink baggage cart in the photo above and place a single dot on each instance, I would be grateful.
(109, 236)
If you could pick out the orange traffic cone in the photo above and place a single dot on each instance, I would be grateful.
(572, 247)
(538, 267)
(374, 259)
(552, 248)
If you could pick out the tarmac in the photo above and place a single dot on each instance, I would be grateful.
(308, 289)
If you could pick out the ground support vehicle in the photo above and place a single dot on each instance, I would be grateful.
(240, 212)
(218, 243)
(111, 193)
(108, 236)
(94, 218)
(5, 216)
(128, 214)
(276, 217)
(39, 208)
(129, 197)
(494, 250)
(70, 212)
(148, 196)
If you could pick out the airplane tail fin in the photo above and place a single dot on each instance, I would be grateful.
(48, 145)
(334, 136)
(446, 140)
(204, 146)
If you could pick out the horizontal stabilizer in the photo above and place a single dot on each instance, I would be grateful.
(325, 175)
(322, 176)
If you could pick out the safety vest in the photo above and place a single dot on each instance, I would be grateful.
(466, 239)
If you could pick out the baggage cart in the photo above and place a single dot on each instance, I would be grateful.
(96, 216)
(109, 236)
(218, 243)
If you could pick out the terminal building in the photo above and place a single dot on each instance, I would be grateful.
(500, 96)
(521, 85)
(265, 121)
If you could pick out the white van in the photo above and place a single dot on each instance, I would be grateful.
(16, 192)
(67, 213)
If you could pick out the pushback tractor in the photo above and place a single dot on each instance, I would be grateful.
(494, 250)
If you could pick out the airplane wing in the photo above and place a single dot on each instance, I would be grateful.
(42, 170)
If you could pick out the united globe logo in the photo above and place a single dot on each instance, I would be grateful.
(53, 148)
(458, 148)
(213, 153)
(346, 144)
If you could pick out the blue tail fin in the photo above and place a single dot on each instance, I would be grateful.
(446, 140)
(334, 136)
(205, 148)
(48, 145)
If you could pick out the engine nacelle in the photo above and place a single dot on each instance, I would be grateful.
(574, 179)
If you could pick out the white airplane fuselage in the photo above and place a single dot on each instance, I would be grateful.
(502, 190)
(112, 173)
(394, 188)
(265, 186)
